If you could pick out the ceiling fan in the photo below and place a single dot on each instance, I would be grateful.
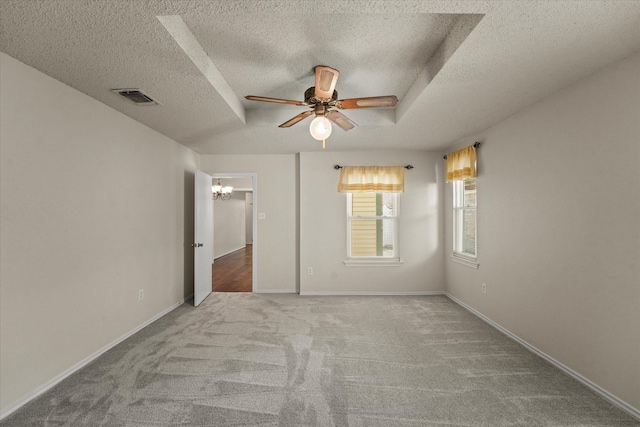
(322, 100)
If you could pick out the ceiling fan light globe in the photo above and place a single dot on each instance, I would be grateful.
(320, 128)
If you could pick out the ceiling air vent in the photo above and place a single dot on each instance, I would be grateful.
(137, 96)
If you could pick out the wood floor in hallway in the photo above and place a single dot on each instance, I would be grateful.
(233, 272)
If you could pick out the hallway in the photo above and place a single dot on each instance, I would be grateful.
(233, 272)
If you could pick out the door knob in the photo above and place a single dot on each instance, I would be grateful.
(196, 245)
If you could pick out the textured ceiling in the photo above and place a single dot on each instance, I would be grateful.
(456, 66)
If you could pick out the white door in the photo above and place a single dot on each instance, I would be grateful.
(203, 243)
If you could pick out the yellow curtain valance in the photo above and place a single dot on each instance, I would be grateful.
(461, 164)
(378, 179)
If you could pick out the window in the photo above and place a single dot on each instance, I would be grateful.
(372, 228)
(464, 221)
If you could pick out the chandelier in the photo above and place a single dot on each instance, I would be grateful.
(221, 192)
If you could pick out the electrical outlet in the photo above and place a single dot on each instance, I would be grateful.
(484, 288)
(309, 271)
(140, 294)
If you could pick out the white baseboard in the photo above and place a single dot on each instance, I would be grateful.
(593, 386)
(372, 293)
(47, 386)
(275, 291)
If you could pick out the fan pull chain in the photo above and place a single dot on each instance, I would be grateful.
(323, 144)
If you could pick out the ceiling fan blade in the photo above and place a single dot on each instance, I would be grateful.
(341, 120)
(372, 102)
(326, 78)
(296, 119)
(278, 100)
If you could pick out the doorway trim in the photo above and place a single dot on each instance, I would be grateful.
(254, 186)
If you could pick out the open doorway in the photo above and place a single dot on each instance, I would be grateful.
(233, 235)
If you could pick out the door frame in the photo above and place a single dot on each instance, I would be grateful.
(254, 186)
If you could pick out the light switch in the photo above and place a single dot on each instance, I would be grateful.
(262, 215)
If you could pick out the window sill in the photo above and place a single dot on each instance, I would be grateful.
(465, 260)
(395, 262)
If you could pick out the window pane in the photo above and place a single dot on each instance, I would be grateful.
(388, 231)
(470, 192)
(372, 237)
(469, 231)
(363, 204)
(388, 204)
(464, 217)
(364, 237)
(469, 184)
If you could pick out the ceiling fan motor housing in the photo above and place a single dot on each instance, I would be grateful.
(310, 96)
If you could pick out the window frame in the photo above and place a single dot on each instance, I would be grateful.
(378, 260)
(459, 209)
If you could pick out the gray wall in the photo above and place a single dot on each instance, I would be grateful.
(229, 224)
(95, 206)
(559, 230)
